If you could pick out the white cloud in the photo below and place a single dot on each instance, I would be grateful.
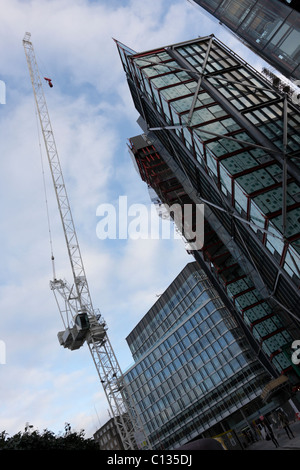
(92, 116)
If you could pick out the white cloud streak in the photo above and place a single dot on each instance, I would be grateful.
(92, 116)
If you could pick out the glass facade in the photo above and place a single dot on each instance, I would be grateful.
(216, 126)
(232, 101)
(270, 27)
(261, 319)
(194, 367)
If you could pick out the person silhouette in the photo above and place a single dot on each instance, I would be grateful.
(284, 421)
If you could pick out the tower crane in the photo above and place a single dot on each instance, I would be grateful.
(82, 323)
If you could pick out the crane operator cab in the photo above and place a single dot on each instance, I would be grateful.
(82, 321)
(74, 337)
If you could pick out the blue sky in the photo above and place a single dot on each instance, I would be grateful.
(92, 117)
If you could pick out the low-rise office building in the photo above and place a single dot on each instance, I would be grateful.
(107, 437)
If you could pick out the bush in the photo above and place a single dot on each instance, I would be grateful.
(46, 440)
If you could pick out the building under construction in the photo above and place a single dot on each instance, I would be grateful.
(216, 132)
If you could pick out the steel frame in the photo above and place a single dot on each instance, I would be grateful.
(278, 154)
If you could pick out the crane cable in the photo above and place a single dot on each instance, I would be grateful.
(46, 197)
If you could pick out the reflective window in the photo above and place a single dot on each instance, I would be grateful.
(226, 182)
(234, 11)
(292, 262)
(241, 199)
(264, 21)
(207, 351)
(256, 217)
(285, 44)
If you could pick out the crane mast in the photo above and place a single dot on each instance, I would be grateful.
(83, 323)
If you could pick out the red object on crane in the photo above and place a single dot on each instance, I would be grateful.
(49, 82)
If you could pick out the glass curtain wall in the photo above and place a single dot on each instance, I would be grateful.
(270, 27)
(221, 152)
(193, 367)
(258, 314)
(250, 177)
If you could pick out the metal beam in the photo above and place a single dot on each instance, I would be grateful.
(284, 166)
(199, 82)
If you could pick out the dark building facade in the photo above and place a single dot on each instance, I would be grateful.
(271, 28)
(216, 132)
(194, 373)
(108, 438)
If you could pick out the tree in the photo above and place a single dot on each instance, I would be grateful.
(47, 440)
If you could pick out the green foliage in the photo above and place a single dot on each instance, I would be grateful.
(46, 440)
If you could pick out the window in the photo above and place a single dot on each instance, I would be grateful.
(256, 217)
(241, 199)
(263, 21)
(212, 163)
(292, 262)
(274, 243)
(166, 110)
(239, 162)
(216, 378)
(234, 11)
(284, 45)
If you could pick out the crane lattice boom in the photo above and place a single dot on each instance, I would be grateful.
(82, 323)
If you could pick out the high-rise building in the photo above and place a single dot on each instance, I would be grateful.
(194, 373)
(271, 28)
(217, 132)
